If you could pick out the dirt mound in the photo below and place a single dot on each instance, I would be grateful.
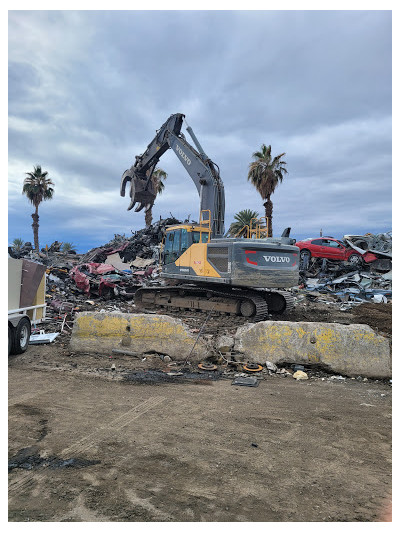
(377, 316)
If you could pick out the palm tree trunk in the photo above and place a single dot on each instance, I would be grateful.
(148, 217)
(35, 227)
(268, 215)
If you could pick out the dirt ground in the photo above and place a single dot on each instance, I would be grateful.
(91, 440)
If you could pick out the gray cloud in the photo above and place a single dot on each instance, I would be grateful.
(87, 94)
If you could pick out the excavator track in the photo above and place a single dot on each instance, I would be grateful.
(251, 304)
(279, 301)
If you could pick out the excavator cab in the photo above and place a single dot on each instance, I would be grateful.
(178, 239)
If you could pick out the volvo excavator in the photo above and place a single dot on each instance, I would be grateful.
(203, 269)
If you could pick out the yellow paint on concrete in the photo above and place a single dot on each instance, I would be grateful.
(102, 332)
(313, 358)
(276, 333)
(140, 327)
(367, 336)
(301, 332)
(327, 342)
(355, 348)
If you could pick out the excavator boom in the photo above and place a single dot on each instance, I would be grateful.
(201, 169)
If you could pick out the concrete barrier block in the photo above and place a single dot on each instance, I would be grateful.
(349, 350)
(137, 333)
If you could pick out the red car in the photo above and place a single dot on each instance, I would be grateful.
(330, 249)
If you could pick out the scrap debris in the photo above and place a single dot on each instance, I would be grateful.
(379, 244)
(339, 283)
(42, 337)
(109, 274)
(117, 269)
(246, 381)
(106, 278)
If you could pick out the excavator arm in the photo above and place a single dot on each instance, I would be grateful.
(204, 173)
(140, 173)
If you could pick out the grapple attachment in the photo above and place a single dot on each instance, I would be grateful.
(141, 190)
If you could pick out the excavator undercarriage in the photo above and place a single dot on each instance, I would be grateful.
(252, 303)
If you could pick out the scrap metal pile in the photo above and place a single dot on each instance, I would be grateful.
(75, 282)
(113, 270)
(110, 274)
(339, 282)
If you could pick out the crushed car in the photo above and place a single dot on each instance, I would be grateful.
(380, 244)
(333, 249)
(103, 280)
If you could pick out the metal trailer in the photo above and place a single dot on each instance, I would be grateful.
(26, 301)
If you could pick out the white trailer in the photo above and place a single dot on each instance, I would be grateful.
(26, 301)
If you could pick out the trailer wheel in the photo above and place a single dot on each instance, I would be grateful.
(21, 336)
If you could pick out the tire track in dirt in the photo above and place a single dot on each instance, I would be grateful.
(158, 514)
(23, 399)
(87, 442)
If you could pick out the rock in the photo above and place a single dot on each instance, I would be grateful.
(224, 343)
(284, 371)
(271, 366)
(140, 333)
(300, 375)
(350, 350)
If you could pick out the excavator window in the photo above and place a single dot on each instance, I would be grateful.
(184, 240)
(196, 236)
(175, 242)
(168, 249)
(178, 241)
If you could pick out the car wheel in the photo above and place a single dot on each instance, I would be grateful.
(21, 336)
(305, 255)
(355, 260)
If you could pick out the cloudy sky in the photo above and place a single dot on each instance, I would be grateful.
(89, 89)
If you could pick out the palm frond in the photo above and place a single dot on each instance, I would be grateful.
(241, 220)
(266, 172)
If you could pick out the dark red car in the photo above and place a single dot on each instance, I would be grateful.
(330, 249)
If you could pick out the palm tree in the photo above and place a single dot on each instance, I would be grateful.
(68, 247)
(157, 178)
(265, 173)
(37, 187)
(242, 219)
(17, 245)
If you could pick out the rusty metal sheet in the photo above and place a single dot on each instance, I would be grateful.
(32, 275)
